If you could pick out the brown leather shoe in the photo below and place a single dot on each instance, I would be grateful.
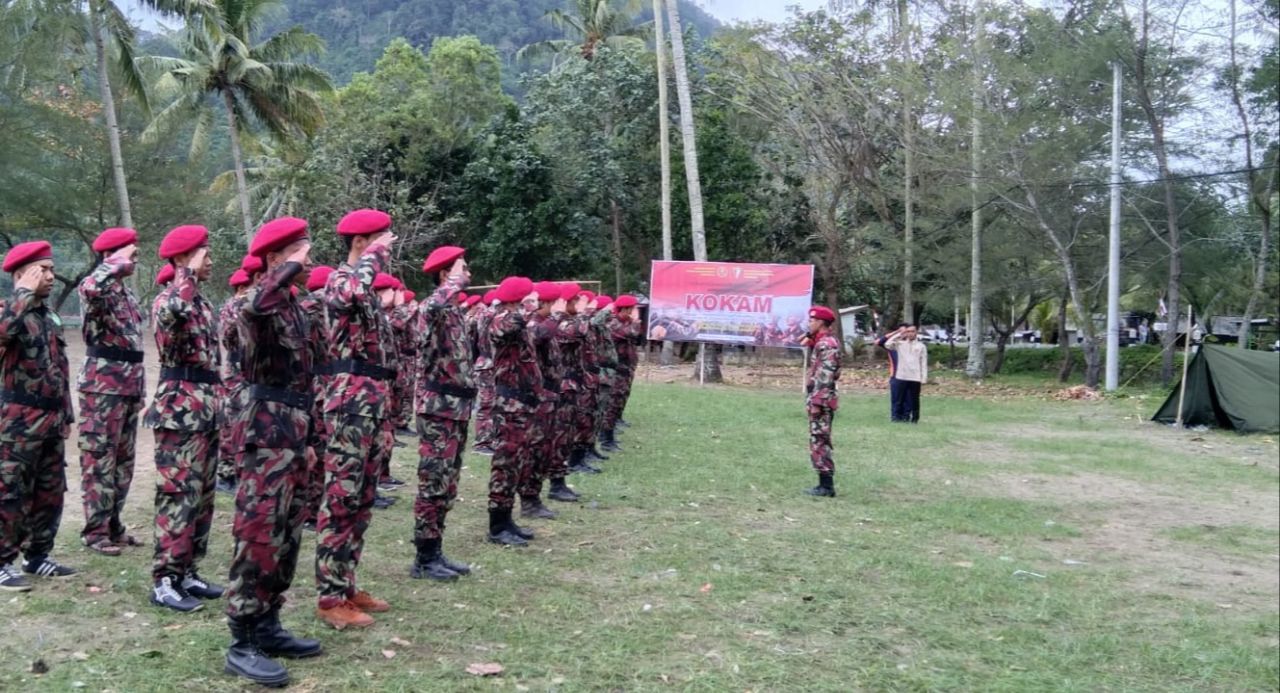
(343, 615)
(368, 603)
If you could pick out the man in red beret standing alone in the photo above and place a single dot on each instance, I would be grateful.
(443, 395)
(360, 372)
(184, 415)
(269, 504)
(111, 386)
(35, 416)
(822, 400)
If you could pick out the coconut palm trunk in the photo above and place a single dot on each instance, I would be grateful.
(976, 365)
(664, 150)
(242, 186)
(109, 110)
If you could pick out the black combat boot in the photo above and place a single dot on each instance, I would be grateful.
(428, 563)
(594, 453)
(608, 442)
(500, 529)
(560, 491)
(245, 659)
(578, 462)
(523, 533)
(826, 487)
(459, 568)
(275, 641)
(531, 506)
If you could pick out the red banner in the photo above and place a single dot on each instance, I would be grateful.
(730, 303)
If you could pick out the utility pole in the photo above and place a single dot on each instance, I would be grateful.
(1113, 251)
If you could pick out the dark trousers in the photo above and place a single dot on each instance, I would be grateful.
(904, 400)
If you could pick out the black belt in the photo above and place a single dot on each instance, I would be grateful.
(357, 367)
(297, 400)
(30, 400)
(114, 354)
(523, 396)
(451, 390)
(190, 374)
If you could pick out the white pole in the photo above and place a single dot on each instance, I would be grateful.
(1113, 260)
(1186, 359)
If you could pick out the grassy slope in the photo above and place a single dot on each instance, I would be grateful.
(696, 564)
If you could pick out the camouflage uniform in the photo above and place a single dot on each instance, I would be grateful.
(442, 399)
(607, 366)
(318, 440)
(572, 334)
(584, 420)
(517, 394)
(268, 519)
(184, 414)
(623, 334)
(822, 400)
(361, 351)
(402, 322)
(111, 386)
(35, 417)
(484, 375)
(234, 398)
(543, 432)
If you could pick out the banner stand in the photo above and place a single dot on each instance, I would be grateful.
(702, 364)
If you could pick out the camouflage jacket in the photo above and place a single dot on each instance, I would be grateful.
(516, 375)
(186, 338)
(545, 331)
(824, 371)
(111, 320)
(359, 332)
(589, 354)
(602, 338)
(277, 362)
(232, 347)
(623, 334)
(480, 342)
(318, 341)
(445, 386)
(572, 331)
(35, 388)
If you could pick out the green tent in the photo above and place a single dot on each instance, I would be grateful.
(1229, 388)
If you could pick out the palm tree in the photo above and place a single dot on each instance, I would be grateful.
(664, 149)
(687, 133)
(259, 83)
(593, 23)
(111, 30)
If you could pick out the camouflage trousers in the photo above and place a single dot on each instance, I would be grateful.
(485, 399)
(511, 457)
(820, 439)
(549, 452)
(185, 466)
(33, 479)
(584, 418)
(440, 447)
(231, 434)
(108, 431)
(358, 445)
(604, 400)
(267, 530)
(618, 400)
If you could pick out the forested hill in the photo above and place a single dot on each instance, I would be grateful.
(357, 32)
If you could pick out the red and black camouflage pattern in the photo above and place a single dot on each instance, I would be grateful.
(518, 392)
(443, 396)
(185, 468)
(483, 371)
(313, 488)
(606, 365)
(822, 400)
(33, 363)
(359, 329)
(623, 333)
(402, 318)
(186, 336)
(269, 506)
(542, 435)
(111, 392)
(234, 397)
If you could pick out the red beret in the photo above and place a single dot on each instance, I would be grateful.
(165, 275)
(252, 264)
(513, 289)
(548, 291)
(409, 296)
(589, 294)
(625, 301)
(462, 297)
(319, 277)
(183, 239)
(26, 253)
(364, 222)
(442, 258)
(569, 291)
(114, 239)
(488, 297)
(822, 313)
(277, 234)
(239, 278)
(472, 300)
(602, 301)
(384, 281)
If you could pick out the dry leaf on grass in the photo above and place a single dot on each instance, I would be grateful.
(484, 669)
(401, 642)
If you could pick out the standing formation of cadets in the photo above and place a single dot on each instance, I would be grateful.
(291, 401)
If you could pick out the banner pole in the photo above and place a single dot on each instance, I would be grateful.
(1186, 356)
(702, 364)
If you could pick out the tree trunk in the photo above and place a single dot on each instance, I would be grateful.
(616, 217)
(664, 150)
(1064, 341)
(976, 366)
(109, 110)
(242, 186)
(687, 134)
(1002, 339)
(908, 165)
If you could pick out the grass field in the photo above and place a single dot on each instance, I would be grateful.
(1012, 544)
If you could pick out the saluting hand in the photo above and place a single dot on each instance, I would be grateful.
(196, 261)
(126, 253)
(28, 279)
(459, 270)
(383, 241)
(559, 305)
